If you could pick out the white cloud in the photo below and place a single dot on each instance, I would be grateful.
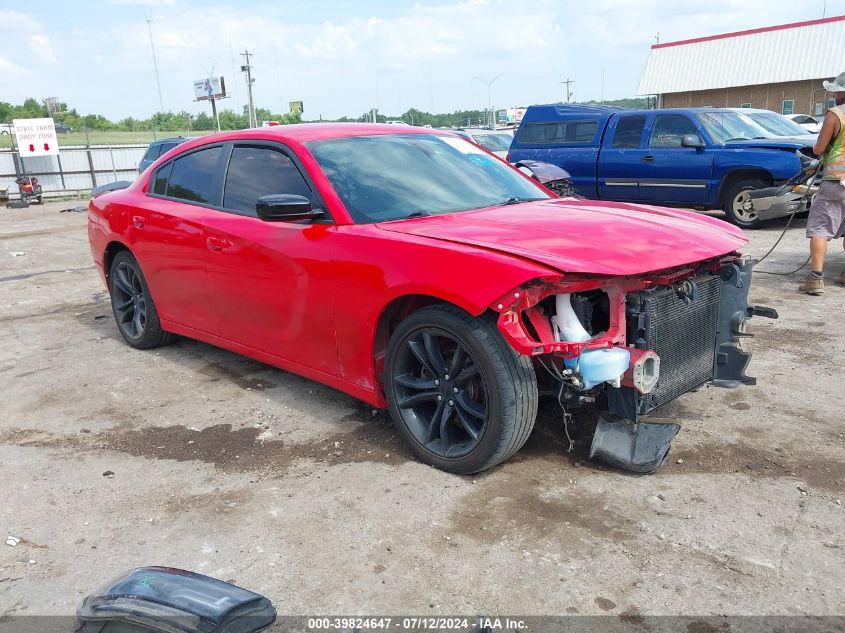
(417, 55)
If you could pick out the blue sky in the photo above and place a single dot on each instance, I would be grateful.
(346, 57)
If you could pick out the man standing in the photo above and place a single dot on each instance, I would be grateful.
(827, 213)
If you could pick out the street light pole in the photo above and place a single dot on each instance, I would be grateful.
(149, 20)
(490, 97)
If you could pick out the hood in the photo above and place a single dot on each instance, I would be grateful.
(781, 142)
(584, 236)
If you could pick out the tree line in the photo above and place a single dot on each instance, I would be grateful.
(231, 120)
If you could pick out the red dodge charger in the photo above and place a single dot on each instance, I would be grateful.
(416, 271)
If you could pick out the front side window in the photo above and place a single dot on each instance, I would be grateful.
(260, 171)
(192, 176)
(395, 176)
(669, 130)
(629, 132)
(559, 133)
(788, 106)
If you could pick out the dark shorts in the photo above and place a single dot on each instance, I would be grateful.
(827, 214)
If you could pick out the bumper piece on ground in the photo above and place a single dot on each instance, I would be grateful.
(638, 447)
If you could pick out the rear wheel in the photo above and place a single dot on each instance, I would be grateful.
(133, 307)
(461, 398)
(737, 203)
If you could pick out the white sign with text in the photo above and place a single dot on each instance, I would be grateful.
(36, 137)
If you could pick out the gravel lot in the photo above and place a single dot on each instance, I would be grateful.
(244, 472)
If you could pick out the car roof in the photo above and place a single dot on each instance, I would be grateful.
(169, 140)
(305, 132)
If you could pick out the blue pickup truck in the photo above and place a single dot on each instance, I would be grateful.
(705, 158)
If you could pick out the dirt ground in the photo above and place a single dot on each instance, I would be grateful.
(234, 469)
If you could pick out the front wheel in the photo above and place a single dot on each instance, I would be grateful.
(737, 203)
(461, 398)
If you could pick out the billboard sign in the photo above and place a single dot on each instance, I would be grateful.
(36, 137)
(205, 89)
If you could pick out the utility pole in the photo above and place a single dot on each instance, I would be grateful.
(490, 97)
(247, 68)
(149, 19)
(568, 82)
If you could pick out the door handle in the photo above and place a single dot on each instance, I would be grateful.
(217, 244)
(648, 159)
(138, 221)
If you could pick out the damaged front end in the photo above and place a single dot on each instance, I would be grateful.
(631, 345)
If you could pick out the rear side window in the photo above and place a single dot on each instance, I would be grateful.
(629, 132)
(160, 179)
(669, 130)
(559, 133)
(166, 147)
(192, 176)
(153, 152)
(260, 171)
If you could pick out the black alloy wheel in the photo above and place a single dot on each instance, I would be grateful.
(133, 307)
(440, 392)
(129, 301)
(461, 398)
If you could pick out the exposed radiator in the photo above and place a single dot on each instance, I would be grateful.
(683, 335)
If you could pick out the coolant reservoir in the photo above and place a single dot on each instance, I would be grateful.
(601, 365)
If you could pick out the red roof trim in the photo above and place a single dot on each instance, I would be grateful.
(764, 29)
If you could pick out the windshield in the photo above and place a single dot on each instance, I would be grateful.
(395, 176)
(493, 142)
(724, 127)
(777, 124)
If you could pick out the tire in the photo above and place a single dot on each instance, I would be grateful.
(482, 414)
(134, 311)
(735, 196)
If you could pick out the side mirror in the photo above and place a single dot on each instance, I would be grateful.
(285, 207)
(692, 140)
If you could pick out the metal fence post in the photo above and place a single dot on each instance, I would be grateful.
(113, 168)
(61, 170)
(91, 167)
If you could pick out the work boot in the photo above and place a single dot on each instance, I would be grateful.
(812, 285)
(841, 279)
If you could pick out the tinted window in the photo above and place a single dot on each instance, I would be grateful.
(166, 147)
(160, 179)
(260, 171)
(558, 133)
(153, 152)
(629, 131)
(192, 176)
(669, 130)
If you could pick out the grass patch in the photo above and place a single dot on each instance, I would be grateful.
(93, 137)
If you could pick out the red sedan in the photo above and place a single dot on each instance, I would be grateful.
(412, 269)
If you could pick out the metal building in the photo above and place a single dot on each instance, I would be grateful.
(779, 68)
